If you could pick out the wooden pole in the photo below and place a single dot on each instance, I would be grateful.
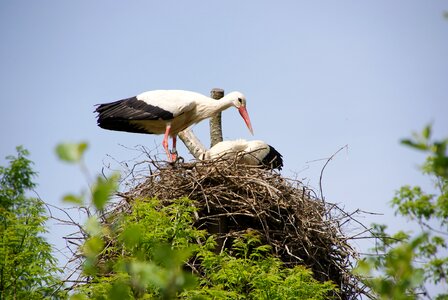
(215, 121)
(220, 227)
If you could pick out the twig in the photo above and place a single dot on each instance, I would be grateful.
(323, 168)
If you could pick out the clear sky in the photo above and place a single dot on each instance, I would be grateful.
(317, 75)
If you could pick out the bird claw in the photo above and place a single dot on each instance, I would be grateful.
(178, 159)
(173, 156)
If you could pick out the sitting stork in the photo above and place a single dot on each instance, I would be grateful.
(166, 112)
(247, 153)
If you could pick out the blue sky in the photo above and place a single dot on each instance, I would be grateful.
(317, 75)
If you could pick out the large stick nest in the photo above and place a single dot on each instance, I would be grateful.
(231, 198)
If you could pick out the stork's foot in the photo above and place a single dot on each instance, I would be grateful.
(179, 159)
(173, 156)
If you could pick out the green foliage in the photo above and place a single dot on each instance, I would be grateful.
(150, 247)
(437, 161)
(407, 263)
(157, 240)
(248, 271)
(16, 179)
(102, 190)
(71, 152)
(135, 274)
(27, 268)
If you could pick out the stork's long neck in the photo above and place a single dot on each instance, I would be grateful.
(211, 107)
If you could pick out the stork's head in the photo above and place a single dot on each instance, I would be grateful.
(239, 101)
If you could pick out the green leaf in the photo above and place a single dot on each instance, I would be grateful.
(171, 258)
(93, 246)
(147, 272)
(439, 241)
(131, 235)
(73, 199)
(78, 297)
(103, 189)
(120, 291)
(89, 266)
(410, 143)
(71, 152)
(189, 281)
(93, 226)
(426, 133)
(417, 278)
(363, 267)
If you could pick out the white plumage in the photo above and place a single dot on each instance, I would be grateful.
(166, 112)
(247, 152)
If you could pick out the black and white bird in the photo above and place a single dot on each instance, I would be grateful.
(247, 152)
(166, 112)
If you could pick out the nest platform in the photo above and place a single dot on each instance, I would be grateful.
(231, 199)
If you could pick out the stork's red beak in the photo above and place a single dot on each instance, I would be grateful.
(245, 115)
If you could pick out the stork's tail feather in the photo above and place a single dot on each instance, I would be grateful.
(273, 159)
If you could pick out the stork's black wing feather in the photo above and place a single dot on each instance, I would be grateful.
(119, 114)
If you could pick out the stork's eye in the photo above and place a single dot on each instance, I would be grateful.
(240, 100)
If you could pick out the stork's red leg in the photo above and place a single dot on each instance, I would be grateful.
(165, 141)
(174, 150)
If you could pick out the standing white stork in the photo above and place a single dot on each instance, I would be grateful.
(166, 112)
(247, 152)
